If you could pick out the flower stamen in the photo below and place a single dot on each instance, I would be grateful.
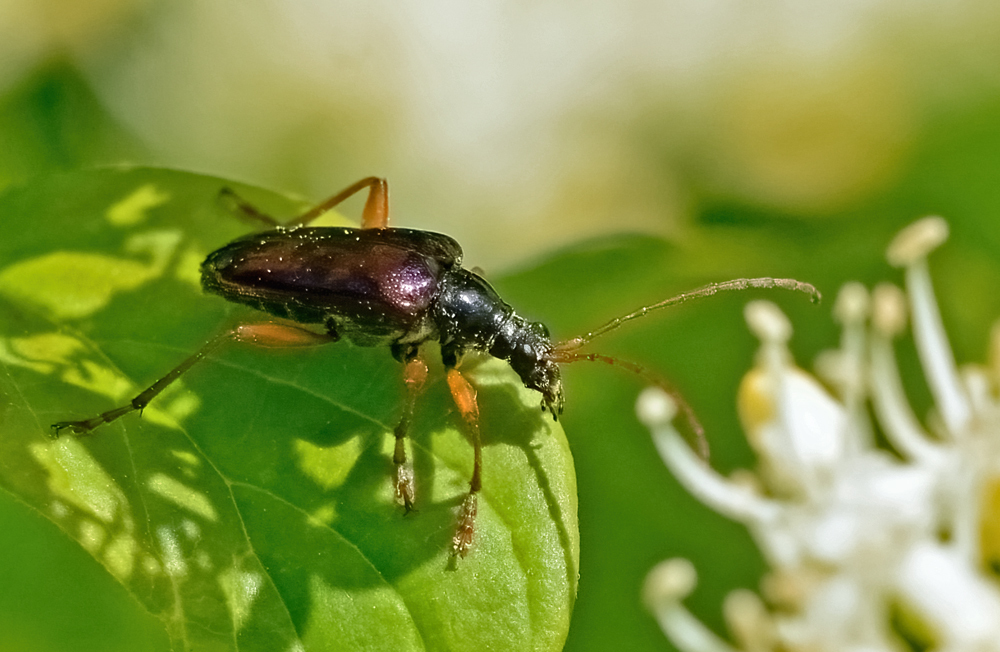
(909, 249)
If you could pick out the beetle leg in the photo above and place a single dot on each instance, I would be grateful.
(265, 334)
(374, 216)
(414, 376)
(376, 212)
(245, 209)
(464, 395)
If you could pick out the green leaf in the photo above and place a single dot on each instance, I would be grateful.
(250, 506)
(51, 120)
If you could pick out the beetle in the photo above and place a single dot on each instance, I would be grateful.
(384, 286)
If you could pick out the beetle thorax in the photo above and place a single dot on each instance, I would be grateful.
(472, 316)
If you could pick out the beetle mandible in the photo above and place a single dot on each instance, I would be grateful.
(384, 286)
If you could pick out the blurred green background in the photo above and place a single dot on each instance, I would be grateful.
(591, 157)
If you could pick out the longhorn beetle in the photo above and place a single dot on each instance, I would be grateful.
(379, 285)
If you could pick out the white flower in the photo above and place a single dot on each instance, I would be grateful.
(852, 532)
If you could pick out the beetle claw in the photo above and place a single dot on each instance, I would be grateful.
(57, 428)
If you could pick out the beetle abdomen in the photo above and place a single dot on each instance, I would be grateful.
(371, 285)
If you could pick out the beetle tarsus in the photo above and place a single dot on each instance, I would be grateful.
(85, 426)
(75, 427)
(461, 543)
(405, 492)
(404, 485)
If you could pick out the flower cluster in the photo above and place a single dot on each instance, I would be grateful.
(868, 549)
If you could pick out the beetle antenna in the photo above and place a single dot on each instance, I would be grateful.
(706, 291)
(566, 351)
(647, 375)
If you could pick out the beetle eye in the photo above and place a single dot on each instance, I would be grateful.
(540, 329)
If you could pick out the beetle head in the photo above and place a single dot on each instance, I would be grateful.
(531, 357)
(546, 379)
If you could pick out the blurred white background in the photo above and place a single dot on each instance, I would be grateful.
(516, 126)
